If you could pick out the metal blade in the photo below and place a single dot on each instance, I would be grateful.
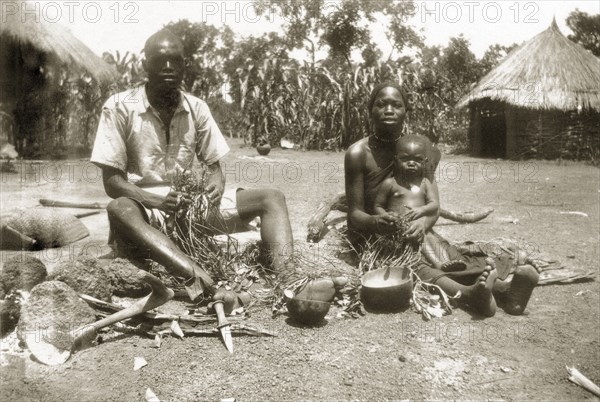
(223, 325)
(226, 334)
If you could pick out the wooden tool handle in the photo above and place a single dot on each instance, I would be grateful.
(217, 305)
(16, 238)
(159, 296)
(68, 204)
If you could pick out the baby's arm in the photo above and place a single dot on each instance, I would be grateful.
(430, 199)
(382, 197)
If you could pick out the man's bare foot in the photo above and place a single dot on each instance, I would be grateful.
(514, 295)
(322, 289)
(453, 266)
(479, 296)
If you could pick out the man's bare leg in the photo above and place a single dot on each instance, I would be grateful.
(275, 229)
(128, 221)
(438, 252)
(276, 233)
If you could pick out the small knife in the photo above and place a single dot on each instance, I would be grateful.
(223, 325)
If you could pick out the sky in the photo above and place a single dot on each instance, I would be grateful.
(125, 25)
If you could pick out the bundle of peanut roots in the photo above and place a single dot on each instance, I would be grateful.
(193, 228)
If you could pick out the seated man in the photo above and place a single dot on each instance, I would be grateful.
(155, 130)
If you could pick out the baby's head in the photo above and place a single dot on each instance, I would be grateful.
(411, 155)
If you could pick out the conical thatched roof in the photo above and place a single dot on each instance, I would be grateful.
(52, 38)
(546, 72)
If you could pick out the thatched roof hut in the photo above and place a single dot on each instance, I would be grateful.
(52, 39)
(34, 54)
(542, 100)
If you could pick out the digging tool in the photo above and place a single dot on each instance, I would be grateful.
(69, 204)
(52, 356)
(222, 324)
(12, 237)
(89, 213)
(39, 228)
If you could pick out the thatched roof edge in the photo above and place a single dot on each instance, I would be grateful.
(53, 38)
(546, 72)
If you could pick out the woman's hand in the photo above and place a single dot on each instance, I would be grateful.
(414, 213)
(416, 230)
(384, 223)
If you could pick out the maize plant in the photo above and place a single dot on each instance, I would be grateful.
(317, 108)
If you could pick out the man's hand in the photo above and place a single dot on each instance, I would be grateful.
(416, 230)
(215, 183)
(173, 201)
(215, 192)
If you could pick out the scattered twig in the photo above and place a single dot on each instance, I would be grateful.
(581, 380)
(494, 380)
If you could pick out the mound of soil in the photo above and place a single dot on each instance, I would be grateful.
(85, 276)
(54, 310)
(9, 314)
(126, 279)
(49, 227)
(22, 272)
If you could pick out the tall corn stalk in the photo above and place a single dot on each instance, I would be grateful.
(317, 108)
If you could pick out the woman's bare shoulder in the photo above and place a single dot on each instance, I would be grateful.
(356, 153)
(358, 147)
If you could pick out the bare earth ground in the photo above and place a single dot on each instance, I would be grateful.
(380, 356)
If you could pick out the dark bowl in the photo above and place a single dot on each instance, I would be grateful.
(386, 288)
(263, 149)
(308, 312)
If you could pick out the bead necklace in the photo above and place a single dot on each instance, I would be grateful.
(385, 140)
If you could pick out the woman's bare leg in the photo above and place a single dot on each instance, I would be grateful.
(478, 296)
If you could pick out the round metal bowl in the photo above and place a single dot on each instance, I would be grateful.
(263, 149)
(308, 312)
(386, 288)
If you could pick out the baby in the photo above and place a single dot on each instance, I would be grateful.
(408, 193)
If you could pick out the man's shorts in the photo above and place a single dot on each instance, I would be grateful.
(230, 222)
(228, 208)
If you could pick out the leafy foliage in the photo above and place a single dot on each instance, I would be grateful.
(586, 30)
(203, 56)
(257, 90)
(343, 32)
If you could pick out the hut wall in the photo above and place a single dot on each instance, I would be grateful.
(554, 134)
(540, 134)
(474, 130)
(487, 129)
(512, 128)
(10, 72)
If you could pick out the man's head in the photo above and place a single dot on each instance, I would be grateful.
(164, 61)
(411, 154)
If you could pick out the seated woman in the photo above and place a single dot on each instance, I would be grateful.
(370, 161)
